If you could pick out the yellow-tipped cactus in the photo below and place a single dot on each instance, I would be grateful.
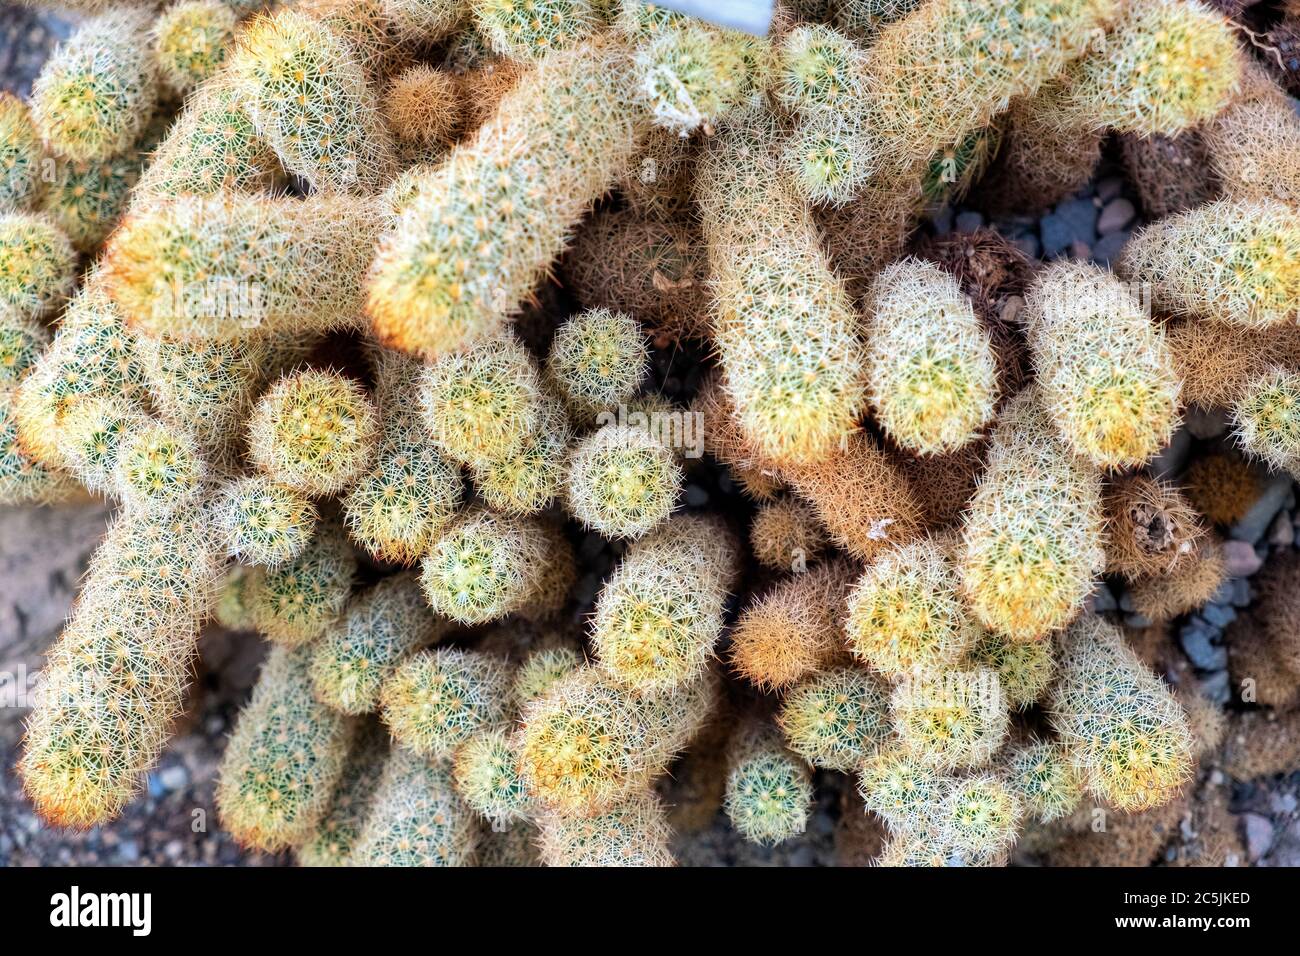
(22, 340)
(905, 616)
(436, 700)
(635, 833)
(1047, 783)
(294, 602)
(95, 94)
(335, 836)
(264, 523)
(1227, 261)
(284, 758)
(818, 70)
(785, 332)
(598, 359)
(486, 773)
(37, 264)
(1267, 419)
(953, 719)
(315, 432)
(191, 41)
(930, 363)
(1032, 533)
(1104, 368)
(158, 465)
(622, 481)
(1025, 669)
(485, 224)
(530, 29)
(836, 719)
(1126, 733)
(484, 566)
(309, 98)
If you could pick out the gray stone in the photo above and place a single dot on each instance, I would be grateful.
(174, 777)
(1102, 600)
(1109, 187)
(1284, 803)
(1126, 601)
(129, 851)
(1241, 595)
(1271, 500)
(1206, 423)
(696, 496)
(1108, 248)
(1071, 221)
(1217, 687)
(1137, 621)
(1169, 463)
(1196, 643)
(1219, 615)
(941, 219)
(1240, 559)
(1028, 244)
(1281, 533)
(1258, 831)
(968, 221)
(1080, 250)
(1116, 214)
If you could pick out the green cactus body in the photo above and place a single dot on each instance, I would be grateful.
(901, 787)
(22, 340)
(1226, 261)
(828, 159)
(836, 719)
(622, 481)
(24, 479)
(1267, 419)
(484, 566)
(158, 465)
(1125, 732)
(22, 156)
(87, 198)
(598, 359)
(284, 759)
(486, 773)
(264, 523)
(191, 41)
(931, 364)
(1042, 775)
(97, 91)
(232, 266)
(296, 601)
(361, 650)
(485, 224)
(1033, 531)
(952, 719)
(530, 29)
(415, 818)
(1105, 370)
(309, 99)
(526, 481)
(436, 700)
(784, 329)
(768, 790)
(635, 833)
(1025, 669)
(333, 840)
(37, 264)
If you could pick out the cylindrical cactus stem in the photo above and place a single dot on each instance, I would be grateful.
(1251, 278)
(785, 535)
(191, 41)
(284, 759)
(434, 701)
(233, 266)
(548, 662)
(425, 21)
(586, 745)
(1267, 419)
(263, 522)
(901, 788)
(947, 68)
(861, 497)
(828, 159)
(1025, 669)
(422, 107)
(598, 360)
(37, 264)
(484, 566)
(1124, 730)
(659, 615)
(528, 30)
(819, 70)
(211, 147)
(769, 790)
(92, 433)
(836, 719)
(335, 836)
(794, 629)
(905, 616)
(22, 340)
(485, 224)
(622, 481)
(527, 480)
(158, 465)
(360, 651)
(1165, 67)
(1042, 776)
(634, 833)
(1248, 141)
(1105, 370)
(955, 718)
(309, 98)
(98, 89)
(115, 680)
(930, 362)
(793, 370)
(367, 29)
(87, 198)
(22, 156)
(416, 818)
(1032, 534)
(1151, 527)
(297, 600)
(979, 820)
(315, 432)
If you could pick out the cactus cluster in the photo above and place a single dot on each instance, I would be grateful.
(395, 332)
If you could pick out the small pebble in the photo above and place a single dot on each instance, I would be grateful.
(696, 497)
(1117, 214)
(1072, 221)
(174, 777)
(968, 221)
(1080, 250)
(1281, 533)
(1241, 596)
(1259, 835)
(1259, 517)
(1206, 423)
(1171, 459)
(1219, 615)
(1102, 600)
(1217, 687)
(1240, 559)
(1109, 188)
(1284, 803)
(1196, 641)
(941, 219)
(1108, 248)
(1137, 621)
